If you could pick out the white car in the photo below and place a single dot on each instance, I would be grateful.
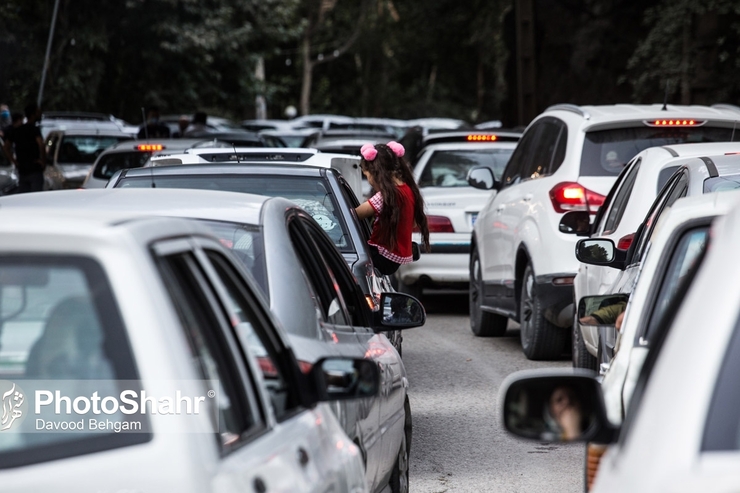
(119, 313)
(681, 428)
(452, 207)
(618, 219)
(521, 264)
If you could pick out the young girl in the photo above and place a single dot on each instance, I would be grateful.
(397, 206)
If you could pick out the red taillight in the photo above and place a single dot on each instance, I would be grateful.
(438, 224)
(625, 241)
(150, 147)
(305, 366)
(571, 196)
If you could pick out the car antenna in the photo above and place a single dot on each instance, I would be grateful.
(665, 97)
(734, 124)
(235, 153)
(146, 130)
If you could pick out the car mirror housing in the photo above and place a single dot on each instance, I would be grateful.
(601, 310)
(575, 223)
(482, 177)
(339, 378)
(398, 311)
(600, 252)
(556, 406)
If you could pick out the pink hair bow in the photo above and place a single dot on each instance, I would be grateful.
(397, 148)
(368, 152)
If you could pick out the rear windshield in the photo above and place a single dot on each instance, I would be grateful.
(110, 163)
(605, 152)
(721, 183)
(450, 168)
(311, 193)
(84, 149)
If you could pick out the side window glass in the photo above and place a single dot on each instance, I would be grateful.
(664, 176)
(520, 158)
(210, 352)
(620, 200)
(351, 199)
(543, 151)
(252, 333)
(688, 250)
(559, 155)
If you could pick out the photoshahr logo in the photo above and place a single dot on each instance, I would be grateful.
(13, 405)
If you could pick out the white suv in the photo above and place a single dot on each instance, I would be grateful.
(521, 265)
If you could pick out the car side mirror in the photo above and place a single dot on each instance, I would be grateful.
(398, 311)
(575, 223)
(340, 378)
(556, 406)
(601, 310)
(600, 252)
(482, 177)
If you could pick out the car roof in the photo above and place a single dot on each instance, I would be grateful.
(124, 204)
(437, 123)
(599, 114)
(223, 169)
(697, 206)
(705, 148)
(458, 146)
(88, 128)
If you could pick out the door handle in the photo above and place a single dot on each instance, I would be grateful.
(527, 197)
(302, 457)
(259, 485)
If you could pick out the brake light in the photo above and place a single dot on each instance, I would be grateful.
(625, 241)
(438, 224)
(674, 122)
(571, 196)
(150, 147)
(481, 138)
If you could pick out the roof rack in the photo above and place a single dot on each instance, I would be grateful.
(572, 108)
(728, 107)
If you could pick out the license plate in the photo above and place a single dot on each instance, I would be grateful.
(473, 217)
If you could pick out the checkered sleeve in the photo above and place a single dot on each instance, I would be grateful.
(376, 202)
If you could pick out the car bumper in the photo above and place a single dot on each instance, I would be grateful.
(437, 269)
(557, 299)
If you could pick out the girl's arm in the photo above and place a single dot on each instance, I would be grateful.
(365, 210)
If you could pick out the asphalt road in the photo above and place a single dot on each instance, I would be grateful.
(459, 444)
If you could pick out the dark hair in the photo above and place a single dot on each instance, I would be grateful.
(30, 110)
(16, 117)
(384, 169)
(200, 117)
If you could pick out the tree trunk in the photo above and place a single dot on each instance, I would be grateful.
(685, 57)
(307, 74)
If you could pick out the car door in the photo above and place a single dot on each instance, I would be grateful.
(377, 347)
(254, 455)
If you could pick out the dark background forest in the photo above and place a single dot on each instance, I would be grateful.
(388, 58)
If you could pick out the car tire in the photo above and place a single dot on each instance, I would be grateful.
(482, 323)
(399, 481)
(541, 340)
(581, 357)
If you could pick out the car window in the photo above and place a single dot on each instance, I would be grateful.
(598, 225)
(664, 176)
(313, 193)
(689, 248)
(318, 275)
(621, 199)
(255, 331)
(543, 151)
(211, 355)
(108, 164)
(605, 152)
(84, 149)
(521, 157)
(59, 323)
(721, 183)
(559, 156)
(673, 191)
(450, 168)
(722, 427)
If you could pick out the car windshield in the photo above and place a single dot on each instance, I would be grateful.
(110, 163)
(721, 183)
(84, 149)
(450, 168)
(245, 240)
(606, 152)
(311, 193)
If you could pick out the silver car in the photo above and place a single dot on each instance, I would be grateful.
(310, 290)
(123, 313)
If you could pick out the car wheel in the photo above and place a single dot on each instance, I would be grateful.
(399, 481)
(482, 323)
(540, 339)
(581, 357)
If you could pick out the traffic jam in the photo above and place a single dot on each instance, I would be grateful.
(233, 310)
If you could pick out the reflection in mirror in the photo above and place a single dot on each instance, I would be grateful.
(602, 310)
(349, 378)
(481, 177)
(575, 223)
(559, 409)
(597, 252)
(401, 311)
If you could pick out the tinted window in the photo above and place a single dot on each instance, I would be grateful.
(721, 183)
(620, 200)
(110, 163)
(543, 152)
(450, 168)
(84, 149)
(311, 193)
(521, 157)
(605, 152)
(664, 175)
